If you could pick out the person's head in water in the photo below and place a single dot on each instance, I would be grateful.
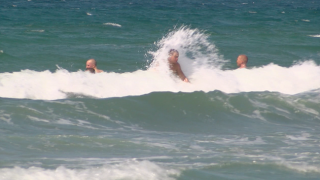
(91, 63)
(173, 56)
(91, 70)
(242, 61)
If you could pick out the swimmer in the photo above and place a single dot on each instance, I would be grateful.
(91, 63)
(242, 61)
(175, 66)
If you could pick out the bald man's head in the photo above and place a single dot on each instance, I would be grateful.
(242, 60)
(91, 63)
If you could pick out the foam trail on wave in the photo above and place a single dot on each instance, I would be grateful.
(112, 24)
(130, 170)
(299, 78)
(47, 85)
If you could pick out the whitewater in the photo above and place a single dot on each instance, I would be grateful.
(200, 60)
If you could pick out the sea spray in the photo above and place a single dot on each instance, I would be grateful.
(195, 50)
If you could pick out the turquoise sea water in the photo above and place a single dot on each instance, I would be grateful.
(136, 121)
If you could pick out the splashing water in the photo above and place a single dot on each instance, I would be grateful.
(195, 51)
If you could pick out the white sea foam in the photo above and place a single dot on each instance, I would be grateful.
(240, 141)
(198, 58)
(112, 24)
(5, 117)
(64, 121)
(38, 30)
(304, 136)
(30, 109)
(144, 170)
(301, 167)
(318, 35)
(37, 119)
(89, 14)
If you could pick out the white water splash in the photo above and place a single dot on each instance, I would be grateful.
(194, 51)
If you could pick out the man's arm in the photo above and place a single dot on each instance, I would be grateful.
(181, 74)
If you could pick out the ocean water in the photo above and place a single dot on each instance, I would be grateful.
(136, 121)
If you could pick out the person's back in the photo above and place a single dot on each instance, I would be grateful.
(242, 61)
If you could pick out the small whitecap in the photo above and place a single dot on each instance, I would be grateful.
(300, 138)
(89, 14)
(283, 12)
(14, 5)
(305, 20)
(38, 30)
(244, 3)
(252, 12)
(318, 35)
(112, 24)
(37, 119)
(1, 51)
(5, 117)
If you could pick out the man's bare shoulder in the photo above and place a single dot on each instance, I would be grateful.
(99, 71)
(175, 66)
